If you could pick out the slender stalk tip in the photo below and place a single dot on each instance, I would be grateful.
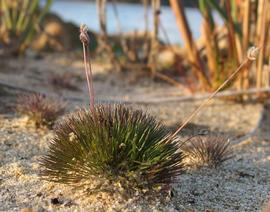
(253, 52)
(251, 56)
(84, 34)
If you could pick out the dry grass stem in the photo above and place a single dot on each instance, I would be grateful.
(251, 56)
(193, 54)
(87, 63)
(261, 26)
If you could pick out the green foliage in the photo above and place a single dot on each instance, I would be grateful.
(206, 12)
(112, 142)
(19, 22)
(208, 150)
(43, 111)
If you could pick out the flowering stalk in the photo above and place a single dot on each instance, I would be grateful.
(87, 63)
(251, 56)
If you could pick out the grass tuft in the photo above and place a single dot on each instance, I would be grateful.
(43, 111)
(208, 150)
(115, 143)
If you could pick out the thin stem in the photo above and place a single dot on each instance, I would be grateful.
(88, 73)
(87, 65)
(92, 95)
(196, 111)
(251, 56)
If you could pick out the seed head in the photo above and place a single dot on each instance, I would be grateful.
(84, 35)
(253, 53)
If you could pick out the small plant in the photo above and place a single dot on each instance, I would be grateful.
(43, 111)
(112, 142)
(208, 150)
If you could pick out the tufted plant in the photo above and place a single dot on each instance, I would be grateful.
(208, 150)
(42, 110)
(112, 142)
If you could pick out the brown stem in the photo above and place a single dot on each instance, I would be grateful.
(250, 57)
(87, 64)
(193, 54)
(89, 76)
(262, 39)
(246, 37)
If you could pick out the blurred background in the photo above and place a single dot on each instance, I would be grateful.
(132, 17)
(193, 45)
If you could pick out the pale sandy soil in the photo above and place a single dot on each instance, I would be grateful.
(242, 184)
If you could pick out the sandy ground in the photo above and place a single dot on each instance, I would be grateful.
(242, 184)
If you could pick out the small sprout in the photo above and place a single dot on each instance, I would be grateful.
(43, 111)
(208, 150)
(115, 143)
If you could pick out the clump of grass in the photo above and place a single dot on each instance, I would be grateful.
(112, 142)
(43, 111)
(208, 150)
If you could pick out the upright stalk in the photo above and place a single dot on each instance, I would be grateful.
(87, 64)
(105, 44)
(246, 23)
(154, 37)
(122, 38)
(251, 56)
(232, 49)
(146, 45)
(210, 39)
(193, 53)
(262, 39)
(246, 38)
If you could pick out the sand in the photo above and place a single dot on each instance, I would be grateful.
(241, 184)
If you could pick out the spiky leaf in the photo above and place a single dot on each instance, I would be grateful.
(112, 142)
(208, 150)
